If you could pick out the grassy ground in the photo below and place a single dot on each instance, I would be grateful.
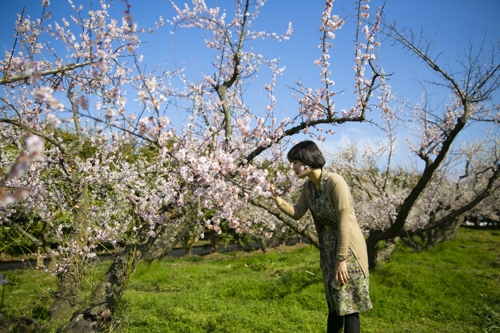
(454, 288)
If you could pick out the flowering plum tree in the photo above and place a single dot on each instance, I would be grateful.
(117, 172)
(394, 202)
(466, 183)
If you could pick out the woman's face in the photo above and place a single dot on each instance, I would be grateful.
(301, 170)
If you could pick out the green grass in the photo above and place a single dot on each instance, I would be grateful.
(226, 293)
(453, 288)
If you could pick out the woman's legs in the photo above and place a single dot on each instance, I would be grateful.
(336, 322)
(352, 323)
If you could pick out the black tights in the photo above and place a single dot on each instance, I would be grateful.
(336, 322)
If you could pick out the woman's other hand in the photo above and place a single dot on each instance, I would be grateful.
(341, 275)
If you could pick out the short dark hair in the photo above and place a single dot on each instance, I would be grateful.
(308, 153)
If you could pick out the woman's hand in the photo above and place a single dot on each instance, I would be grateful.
(341, 275)
(275, 196)
(278, 200)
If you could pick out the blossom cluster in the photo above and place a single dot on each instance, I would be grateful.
(12, 190)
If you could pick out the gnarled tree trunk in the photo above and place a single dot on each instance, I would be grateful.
(67, 296)
(102, 304)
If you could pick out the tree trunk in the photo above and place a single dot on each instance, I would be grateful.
(239, 242)
(443, 233)
(164, 243)
(385, 253)
(372, 247)
(263, 244)
(214, 242)
(68, 281)
(102, 305)
(66, 297)
(107, 293)
(411, 242)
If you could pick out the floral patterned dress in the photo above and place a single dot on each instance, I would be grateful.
(354, 296)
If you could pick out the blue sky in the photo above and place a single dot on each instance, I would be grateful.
(452, 23)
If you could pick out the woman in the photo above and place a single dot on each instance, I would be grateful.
(343, 255)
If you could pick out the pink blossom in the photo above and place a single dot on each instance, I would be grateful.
(110, 114)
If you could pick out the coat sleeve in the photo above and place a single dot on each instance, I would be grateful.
(300, 208)
(340, 198)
